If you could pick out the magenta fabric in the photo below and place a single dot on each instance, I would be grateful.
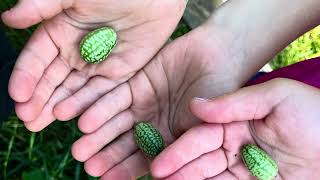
(307, 71)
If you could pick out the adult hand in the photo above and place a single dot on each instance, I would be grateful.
(214, 59)
(280, 116)
(190, 66)
(49, 68)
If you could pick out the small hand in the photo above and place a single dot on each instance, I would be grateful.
(281, 116)
(192, 65)
(49, 68)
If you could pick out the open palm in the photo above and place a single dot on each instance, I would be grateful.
(49, 68)
(269, 115)
(190, 66)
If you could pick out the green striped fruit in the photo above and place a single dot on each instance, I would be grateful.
(259, 163)
(148, 139)
(97, 45)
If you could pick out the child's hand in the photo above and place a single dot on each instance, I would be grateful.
(281, 116)
(49, 68)
(192, 65)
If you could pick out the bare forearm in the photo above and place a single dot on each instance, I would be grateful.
(258, 30)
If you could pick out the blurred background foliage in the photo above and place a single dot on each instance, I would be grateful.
(46, 155)
(305, 47)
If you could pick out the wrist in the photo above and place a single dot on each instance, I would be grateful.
(255, 31)
(230, 58)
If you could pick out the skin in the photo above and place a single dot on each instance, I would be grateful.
(192, 66)
(157, 94)
(49, 68)
(272, 115)
(50, 81)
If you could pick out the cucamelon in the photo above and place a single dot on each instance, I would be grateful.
(148, 139)
(98, 44)
(259, 163)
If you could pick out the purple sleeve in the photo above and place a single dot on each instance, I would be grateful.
(307, 72)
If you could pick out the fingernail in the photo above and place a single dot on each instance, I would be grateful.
(200, 99)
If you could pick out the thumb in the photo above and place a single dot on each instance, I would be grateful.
(30, 12)
(254, 102)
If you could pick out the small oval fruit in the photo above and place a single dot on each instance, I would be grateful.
(258, 162)
(148, 139)
(98, 44)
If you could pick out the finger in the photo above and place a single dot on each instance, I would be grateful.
(38, 54)
(43, 120)
(30, 12)
(206, 166)
(73, 82)
(84, 98)
(46, 116)
(117, 68)
(51, 79)
(90, 144)
(248, 103)
(105, 108)
(225, 175)
(133, 167)
(187, 148)
(110, 156)
(237, 134)
(121, 64)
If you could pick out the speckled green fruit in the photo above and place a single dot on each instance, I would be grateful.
(98, 44)
(148, 139)
(259, 163)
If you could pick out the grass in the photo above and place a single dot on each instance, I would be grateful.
(46, 155)
(36, 156)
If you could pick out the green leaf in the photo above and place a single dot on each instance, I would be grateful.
(305, 47)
